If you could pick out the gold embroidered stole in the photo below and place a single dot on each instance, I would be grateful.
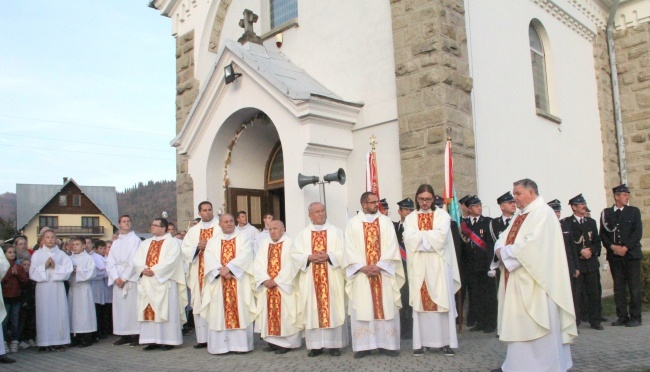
(229, 286)
(205, 234)
(321, 280)
(373, 254)
(152, 259)
(425, 223)
(273, 298)
(512, 235)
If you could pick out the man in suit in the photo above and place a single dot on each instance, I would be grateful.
(621, 231)
(478, 251)
(571, 253)
(406, 206)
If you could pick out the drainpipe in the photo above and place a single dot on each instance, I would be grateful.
(616, 96)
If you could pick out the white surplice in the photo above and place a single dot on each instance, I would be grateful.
(52, 317)
(221, 338)
(290, 325)
(98, 284)
(253, 235)
(4, 266)
(80, 294)
(536, 313)
(165, 292)
(191, 259)
(119, 264)
(431, 259)
(369, 333)
(335, 335)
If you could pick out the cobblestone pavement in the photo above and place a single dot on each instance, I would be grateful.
(614, 349)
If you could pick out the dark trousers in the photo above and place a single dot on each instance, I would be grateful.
(28, 323)
(588, 284)
(104, 315)
(406, 312)
(576, 297)
(484, 298)
(627, 276)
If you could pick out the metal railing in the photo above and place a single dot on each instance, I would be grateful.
(78, 230)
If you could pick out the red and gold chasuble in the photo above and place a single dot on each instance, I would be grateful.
(425, 223)
(512, 235)
(273, 297)
(229, 286)
(205, 234)
(371, 235)
(152, 259)
(321, 281)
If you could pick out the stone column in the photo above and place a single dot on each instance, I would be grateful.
(187, 89)
(433, 92)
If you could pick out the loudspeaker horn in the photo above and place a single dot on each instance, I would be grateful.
(306, 180)
(338, 176)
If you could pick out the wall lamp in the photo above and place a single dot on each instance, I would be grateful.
(229, 74)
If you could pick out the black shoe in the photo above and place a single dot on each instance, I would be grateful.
(200, 345)
(620, 322)
(489, 329)
(418, 352)
(167, 347)
(315, 352)
(85, 344)
(597, 326)
(151, 347)
(42, 349)
(390, 353)
(603, 319)
(335, 352)
(476, 328)
(447, 351)
(60, 348)
(282, 350)
(134, 343)
(6, 360)
(122, 341)
(270, 348)
(633, 323)
(361, 354)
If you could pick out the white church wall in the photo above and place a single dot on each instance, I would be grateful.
(512, 142)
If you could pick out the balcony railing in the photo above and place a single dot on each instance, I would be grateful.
(76, 230)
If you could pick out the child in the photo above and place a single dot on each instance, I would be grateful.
(100, 290)
(28, 310)
(11, 291)
(109, 291)
(80, 297)
(50, 268)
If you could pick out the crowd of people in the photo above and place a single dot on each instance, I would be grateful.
(523, 275)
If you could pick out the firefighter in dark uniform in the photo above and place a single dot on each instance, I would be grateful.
(571, 254)
(621, 231)
(406, 206)
(384, 207)
(465, 285)
(498, 225)
(478, 251)
(585, 236)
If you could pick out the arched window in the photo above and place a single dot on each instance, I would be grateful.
(275, 167)
(538, 61)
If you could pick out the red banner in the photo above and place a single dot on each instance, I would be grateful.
(372, 180)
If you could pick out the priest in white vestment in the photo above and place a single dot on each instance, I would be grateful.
(81, 303)
(193, 249)
(374, 271)
(536, 313)
(249, 230)
(123, 278)
(276, 292)
(50, 268)
(228, 300)
(318, 254)
(433, 273)
(162, 293)
(4, 267)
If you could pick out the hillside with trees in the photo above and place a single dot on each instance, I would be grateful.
(146, 201)
(7, 215)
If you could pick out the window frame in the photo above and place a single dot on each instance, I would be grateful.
(48, 219)
(63, 200)
(268, 31)
(546, 61)
(76, 200)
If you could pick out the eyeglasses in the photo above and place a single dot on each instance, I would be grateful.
(152, 225)
(372, 202)
(425, 200)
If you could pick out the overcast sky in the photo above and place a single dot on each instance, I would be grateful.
(87, 91)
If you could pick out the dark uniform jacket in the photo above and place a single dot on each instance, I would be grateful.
(475, 259)
(626, 229)
(585, 235)
(497, 226)
(572, 251)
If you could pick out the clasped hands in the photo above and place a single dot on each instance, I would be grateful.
(147, 272)
(321, 257)
(586, 253)
(50, 263)
(371, 270)
(619, 250)
(270, 283)
(225, 273)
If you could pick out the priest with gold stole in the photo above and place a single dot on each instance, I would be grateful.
(228, 302)
(193, 249)
(318, 254)
(277, 293)
(536, 314)
(433, 272)
(374, 272)
(162, 294)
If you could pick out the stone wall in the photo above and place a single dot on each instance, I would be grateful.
(633, 63)
(187, 89)
(433, 92)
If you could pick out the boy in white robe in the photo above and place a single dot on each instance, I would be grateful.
(100, 290)
(50, 268)
(81, 304)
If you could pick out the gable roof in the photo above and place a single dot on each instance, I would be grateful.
(30, 199)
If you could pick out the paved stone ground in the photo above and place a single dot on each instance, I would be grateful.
(614, 349)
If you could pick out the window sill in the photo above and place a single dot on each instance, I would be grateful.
(548, 116)
(283, 27)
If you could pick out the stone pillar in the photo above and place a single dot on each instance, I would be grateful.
(187, 89)
(433, 92)
(633, 63)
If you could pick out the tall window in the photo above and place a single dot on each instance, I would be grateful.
(89, 221)
(282, 11)
(49, 221)
(76, 200)
(63, 200)
(539, 69)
